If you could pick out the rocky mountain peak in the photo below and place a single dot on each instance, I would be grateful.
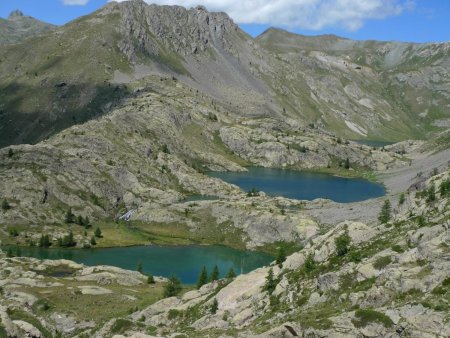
(183, 31)
(16, 14)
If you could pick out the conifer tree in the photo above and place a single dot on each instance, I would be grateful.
(385, 214)
(231, 274)
(270, 284)
(202, 278)
(214, 274)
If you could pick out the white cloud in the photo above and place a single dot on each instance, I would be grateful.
(306, 14)
(75, 2)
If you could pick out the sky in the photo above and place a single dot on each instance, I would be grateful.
(400, 20)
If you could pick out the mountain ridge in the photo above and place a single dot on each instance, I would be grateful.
(18, 27)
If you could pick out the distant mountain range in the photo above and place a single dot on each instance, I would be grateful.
(356, 89)
(19, 27)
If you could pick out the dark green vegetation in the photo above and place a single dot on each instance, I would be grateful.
(385, 214)
(173, 287)
(364, 317)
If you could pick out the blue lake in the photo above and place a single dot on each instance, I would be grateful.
(303, 185)
(183, 261)
(374, 143)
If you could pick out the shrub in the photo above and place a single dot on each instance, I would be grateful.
(173, 313)
(121, 325)
(173, 287)
(165, 149)
(397, 248)
(431, 193)
(355, 256)
(363, 317)
(253, 192)
(310, 264)
(150, 279)
(13, 232)
(444, 188)
(5, 205)
(421, 221)
(342, 244)
(382, 262)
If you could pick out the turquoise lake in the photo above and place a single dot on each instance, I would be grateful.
(303, 185)
(183, 261)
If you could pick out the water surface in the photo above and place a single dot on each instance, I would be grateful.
(183, 261)
(303, 185)
(374, 143)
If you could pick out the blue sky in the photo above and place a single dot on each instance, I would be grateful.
(402, 20)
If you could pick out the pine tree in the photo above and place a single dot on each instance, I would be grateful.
(139, 267)
(231, 274)
(347, 164)
(214, 306)
(67, 241)
(79, 220)
(214, 274)
(10, 153)
(270, 284)
(173, 287)
(202, 278)
(281, 256)
(69, 216)
(98, 233)
(44, 241)
(385, 214)
(93, 241)
(87, 223)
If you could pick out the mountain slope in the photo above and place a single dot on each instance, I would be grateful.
(378, 89)
(19, 27)
(113, 47)
(355, 89)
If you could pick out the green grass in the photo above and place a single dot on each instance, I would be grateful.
(16, 314)
(364, 317)
(382, 262)
(121, 326)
